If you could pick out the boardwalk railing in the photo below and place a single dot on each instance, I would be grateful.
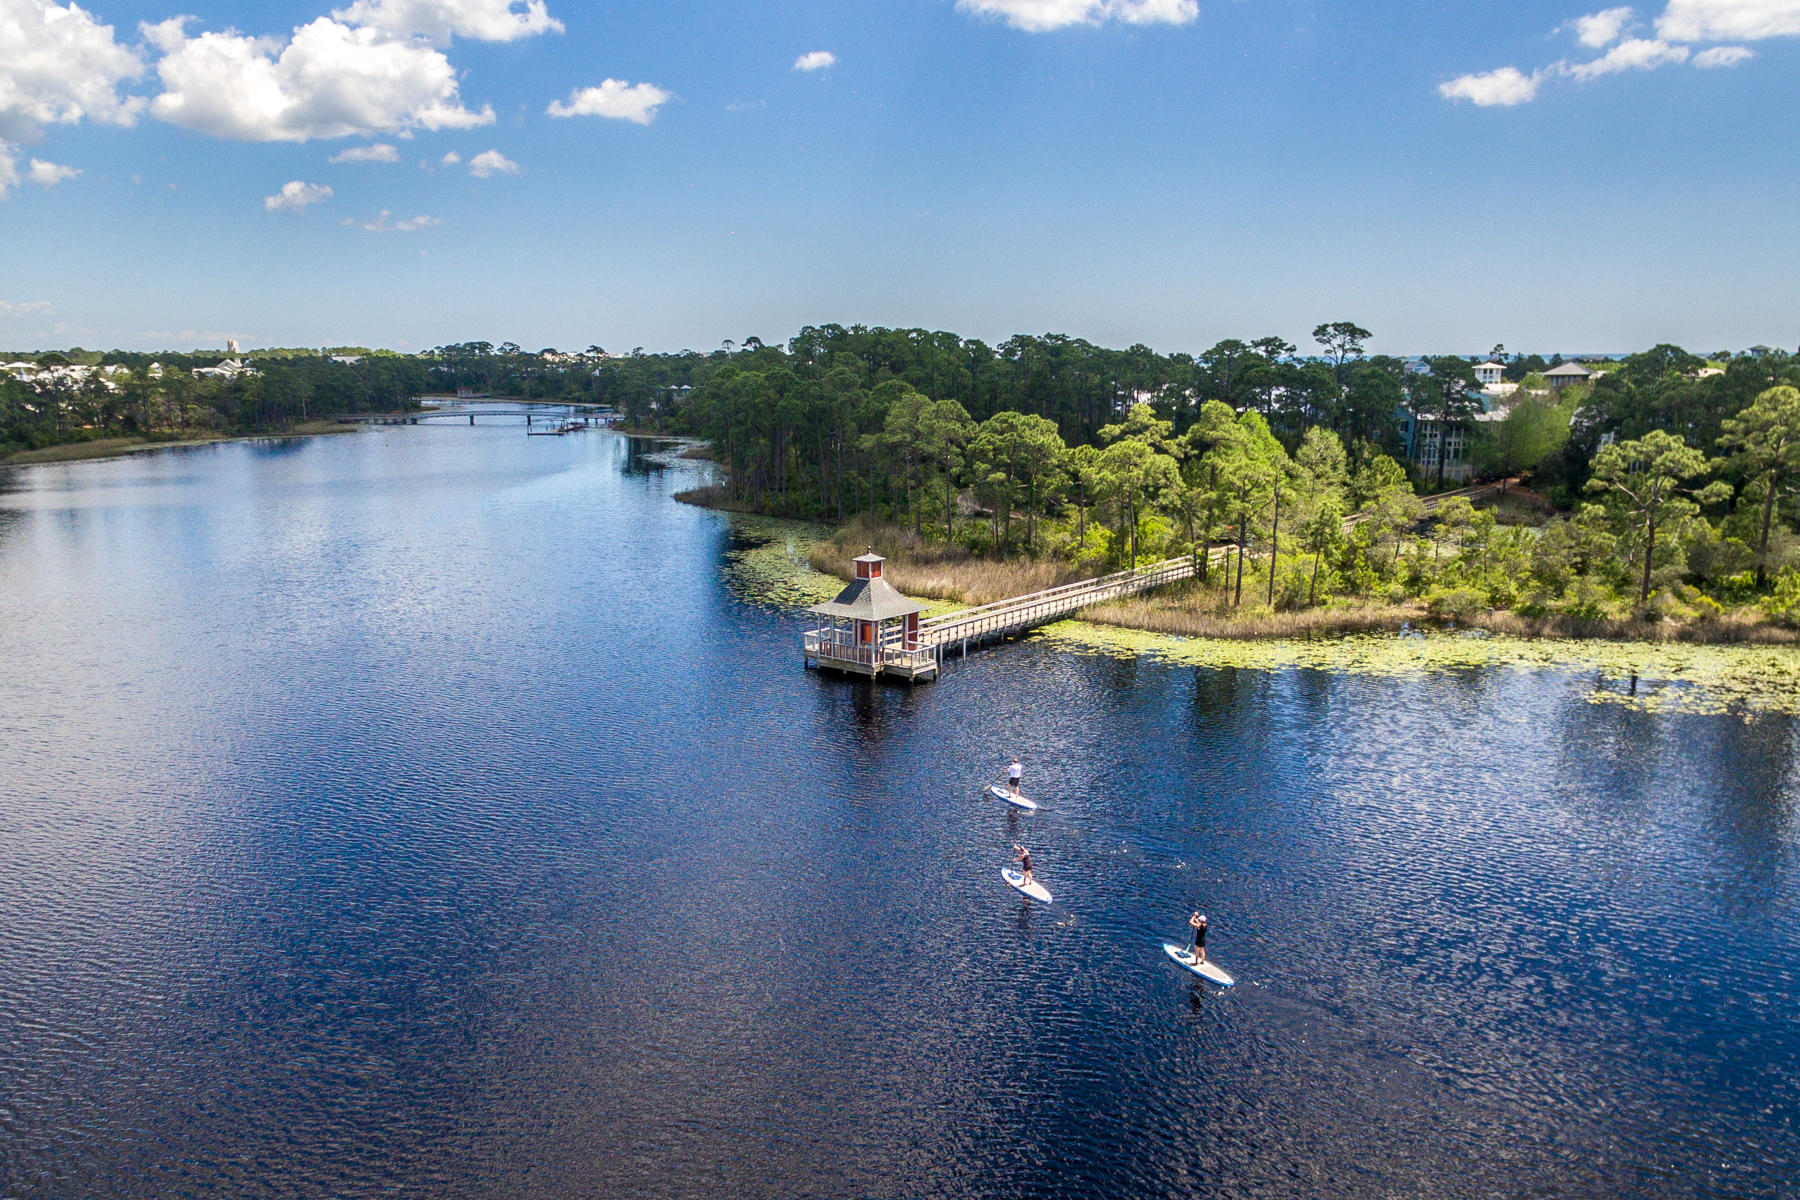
(1431, 504)
(1035, 608)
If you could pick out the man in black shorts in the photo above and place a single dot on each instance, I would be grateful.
(1012, 778)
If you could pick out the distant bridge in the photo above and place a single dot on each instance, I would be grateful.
(553, 418)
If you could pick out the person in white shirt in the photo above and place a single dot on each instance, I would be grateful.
(1012, 778)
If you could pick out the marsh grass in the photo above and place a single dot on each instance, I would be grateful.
(932, 571)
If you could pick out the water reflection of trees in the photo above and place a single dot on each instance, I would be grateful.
(1716, 790)
(642, 455)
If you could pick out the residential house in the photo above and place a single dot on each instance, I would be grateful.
(1567, 375)
(228, 370)
(1490, 373)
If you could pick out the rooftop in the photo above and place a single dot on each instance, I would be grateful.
(868, 600)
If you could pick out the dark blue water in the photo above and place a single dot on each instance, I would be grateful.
(431, 813)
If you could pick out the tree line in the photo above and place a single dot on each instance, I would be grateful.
(1055, 446)
(1670, 476)
(132, 394)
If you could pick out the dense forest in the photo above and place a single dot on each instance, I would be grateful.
(79, 395)
(1667, 481)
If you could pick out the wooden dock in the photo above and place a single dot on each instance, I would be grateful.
(915, 650)
(1009, 618)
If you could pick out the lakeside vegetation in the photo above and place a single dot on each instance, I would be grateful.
(778, 562)
(1656, 500)
(1659, 495)
(118, 400)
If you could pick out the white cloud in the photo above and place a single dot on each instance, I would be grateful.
(1633, 54)
(379, 152)
(492, 162)
(817, 60)
(1683, 21)
(327, 81)
(1734, 20)
(613, 98)
(1040, 16)
(439, 20)
(385, 224)
(295, 196)
(58, 65)
(25, 308)
(1602, 28)
(451, 158)
(1504, 87)
(1723, 56)
(49, 174)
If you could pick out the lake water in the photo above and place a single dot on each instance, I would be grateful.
(439, 812)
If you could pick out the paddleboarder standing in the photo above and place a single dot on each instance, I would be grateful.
(1023, 858)
(1013, 773)
(1197, 923)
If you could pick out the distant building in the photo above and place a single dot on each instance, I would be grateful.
(1567, 375)
(230, 369)
(1490, 373)
(1760, 351)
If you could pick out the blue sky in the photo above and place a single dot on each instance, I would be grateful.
(1449, 176)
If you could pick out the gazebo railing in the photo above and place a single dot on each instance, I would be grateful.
(835, 645)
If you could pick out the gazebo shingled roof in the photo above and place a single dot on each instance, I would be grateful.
(868, 600)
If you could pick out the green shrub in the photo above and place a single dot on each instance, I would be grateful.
(1585, 599)
(1783, 604)
(1456, 601)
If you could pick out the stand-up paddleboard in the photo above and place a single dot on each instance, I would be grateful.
(1205, 970)
(1017, 883)
(1000, 793)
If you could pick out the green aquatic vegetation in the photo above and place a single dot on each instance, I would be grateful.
(770, 565)
(774, 567)
(1654, 677)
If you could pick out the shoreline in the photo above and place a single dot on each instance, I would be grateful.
(947, 579)
(122, 447)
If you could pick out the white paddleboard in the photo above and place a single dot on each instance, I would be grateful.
(1205, 970)
(1000, 793)
(1017, 883)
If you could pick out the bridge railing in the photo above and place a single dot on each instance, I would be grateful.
(1036, 607)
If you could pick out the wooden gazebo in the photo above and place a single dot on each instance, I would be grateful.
(870, 629)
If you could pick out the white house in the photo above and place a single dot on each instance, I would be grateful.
(231, 368)
(1490, 373)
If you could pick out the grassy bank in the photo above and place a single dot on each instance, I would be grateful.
(933, 571)
(115, 447)
(778, 563)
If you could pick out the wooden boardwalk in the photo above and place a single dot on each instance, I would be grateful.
(1008, 618)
